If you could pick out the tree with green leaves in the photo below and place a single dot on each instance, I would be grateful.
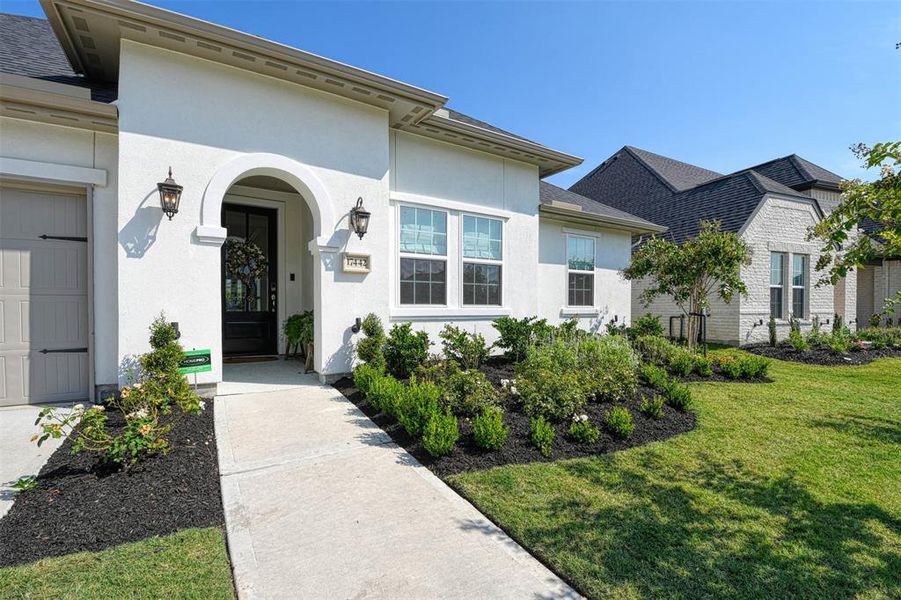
(876, 201)
(691, 271)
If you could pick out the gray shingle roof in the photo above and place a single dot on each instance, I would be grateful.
(28, 47)
(550, 193)
(458, 116)
(797, 172)
(659, 190)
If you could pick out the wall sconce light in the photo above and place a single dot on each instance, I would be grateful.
(359, 218)
(170, 194)
(357, 325)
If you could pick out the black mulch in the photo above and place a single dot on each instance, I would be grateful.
(822, 356)
(519, 449)
(82, 504)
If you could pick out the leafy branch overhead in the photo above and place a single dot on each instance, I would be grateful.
(691, 271)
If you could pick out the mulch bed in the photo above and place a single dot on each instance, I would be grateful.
(83, 504)
(822, 356)
(519, 449)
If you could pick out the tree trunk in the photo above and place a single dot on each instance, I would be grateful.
(693, 323)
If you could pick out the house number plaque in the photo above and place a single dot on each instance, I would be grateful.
(355, 263)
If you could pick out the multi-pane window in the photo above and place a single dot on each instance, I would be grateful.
(777, 284)
(482, 260)
(580, 266)
(799, 284)
(423, 235)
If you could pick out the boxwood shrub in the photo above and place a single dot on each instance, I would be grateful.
(550, 382)
(619, 422)
(405, 349)
(542, 435)
(655, 349)
(677, 395)
(468, 393)
(365, 375)
(608, 367)
(441, 433)
(488, 429)
(384, 393)
(418, 403)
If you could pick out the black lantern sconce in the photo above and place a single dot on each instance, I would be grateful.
(358, 324)
(359, 218)
(170, 194)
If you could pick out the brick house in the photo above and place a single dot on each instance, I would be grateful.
(771, 206)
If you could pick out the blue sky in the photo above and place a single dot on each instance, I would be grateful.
(724, 85)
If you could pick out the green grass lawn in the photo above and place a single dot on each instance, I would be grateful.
(189, 564)
(784, 490)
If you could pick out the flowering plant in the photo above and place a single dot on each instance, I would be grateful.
(142, 405)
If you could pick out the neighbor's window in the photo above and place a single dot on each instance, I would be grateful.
(799, 284)
(423, 238)
(777, 284)
(580, 270)
(483, 242)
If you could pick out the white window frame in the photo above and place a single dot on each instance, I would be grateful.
(484, 261)
(803, 287)
(592, 272)
(782, 284)
(417, 256)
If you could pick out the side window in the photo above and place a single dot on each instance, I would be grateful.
(777, 284)
(580, 252)
(483, 244)
(799, 285)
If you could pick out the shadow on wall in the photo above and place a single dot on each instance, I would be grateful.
(139, 234)
(342, 360)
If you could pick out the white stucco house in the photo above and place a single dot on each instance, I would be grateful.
(771, 206)
(273, 145)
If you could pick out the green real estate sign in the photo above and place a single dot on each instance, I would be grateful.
(195, 361)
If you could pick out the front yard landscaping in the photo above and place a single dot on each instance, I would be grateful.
(130, 504)
(837, 347)
(784, 490)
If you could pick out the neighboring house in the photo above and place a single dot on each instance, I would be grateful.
(771, 207)
(272, 145)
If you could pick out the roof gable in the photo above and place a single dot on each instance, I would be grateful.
(676, 174)
(798, 173)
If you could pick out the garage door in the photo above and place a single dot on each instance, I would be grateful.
(43, 297)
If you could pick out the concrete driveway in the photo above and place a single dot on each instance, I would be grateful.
(19, 456)
(319, 503)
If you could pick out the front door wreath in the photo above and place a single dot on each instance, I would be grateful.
(245, 261)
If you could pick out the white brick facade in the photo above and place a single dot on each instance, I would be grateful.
(778, 225)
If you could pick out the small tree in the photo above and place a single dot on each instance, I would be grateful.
(876, 201)
(689, 272)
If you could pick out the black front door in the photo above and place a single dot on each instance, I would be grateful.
(249, 290)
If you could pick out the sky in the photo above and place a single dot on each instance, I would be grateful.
(724, 85)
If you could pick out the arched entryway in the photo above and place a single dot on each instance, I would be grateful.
(279, 207)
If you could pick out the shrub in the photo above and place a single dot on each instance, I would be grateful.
(798, 341)
(468, 393)
(647, 324)
(619, 422)
(582, 431)
(371, 349)
(838, 322)
(365, 375)
(441, 433)
(416, 404)
(542, 436)
(771, 326)
(881, 337)
(159, 389)
(730, 367)
(466, 349)
(489, 430)
(655, 349)
(652, 406)
(516, 335)
(655, 376)
(703, 366)
(682, 362)
(677, 395)
(549, 381)
(384, 393)
(838, 341)
(405, 349)
(608, 367)
(794, 323)
(753, 367)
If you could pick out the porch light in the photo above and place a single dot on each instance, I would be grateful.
(170, 194)
(359, 218)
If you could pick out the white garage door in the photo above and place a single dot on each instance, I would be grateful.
(43, 297)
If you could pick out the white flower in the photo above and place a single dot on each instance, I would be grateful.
(138, 414)
(513, 390)
(202, 405)
(78, 407)
(505, 382)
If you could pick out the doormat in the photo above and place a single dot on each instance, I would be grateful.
(237, 360)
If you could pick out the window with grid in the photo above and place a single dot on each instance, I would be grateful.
(777, 284)
(799, 285)
(580, 270)
(423, 256)
(483, 242)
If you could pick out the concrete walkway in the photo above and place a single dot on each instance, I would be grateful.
(319, 503)
(19, 456)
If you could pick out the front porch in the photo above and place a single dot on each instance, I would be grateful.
(269, 376)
